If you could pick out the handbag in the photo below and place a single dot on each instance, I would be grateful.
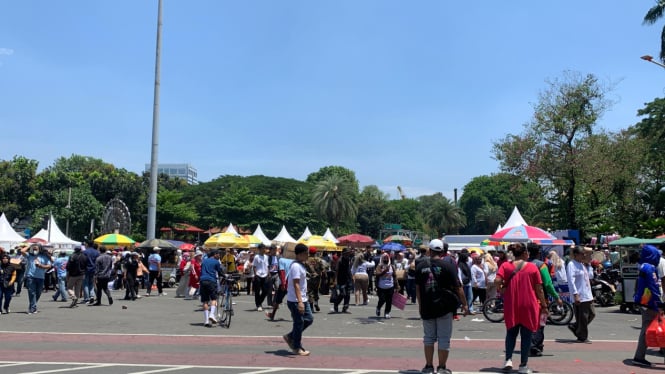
(654, 330)
(399, 301)
(401, 274)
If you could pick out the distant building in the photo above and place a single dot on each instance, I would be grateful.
(182, 171)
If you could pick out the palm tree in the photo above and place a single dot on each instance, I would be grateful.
(492, 215)
(444, 217)
(333, 199)
(654, 14)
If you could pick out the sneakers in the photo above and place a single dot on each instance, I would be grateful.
(585, 341)
(207, 324)
(641, 362)
(524, 370)
(7, 311)
(212, 319)
(259, 309)
(163, 294)
(270, 316)
(110, 301)
(443, 370)
(73, 304)
(508, 365)
(387, 316)
(301, 352)
(289, 342)
(378, 312)
(428, 370)
(572, 329)
(316, 307)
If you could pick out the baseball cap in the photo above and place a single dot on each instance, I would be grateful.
(436, 245)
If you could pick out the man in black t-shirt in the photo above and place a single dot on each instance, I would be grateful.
(439, 293)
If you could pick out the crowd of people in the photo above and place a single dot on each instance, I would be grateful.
(444, 285)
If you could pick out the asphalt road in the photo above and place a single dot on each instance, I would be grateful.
(159, 334)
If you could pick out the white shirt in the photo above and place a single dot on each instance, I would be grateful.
(490, 275)
(478, 276)
(362, 268)
(297, 271)
(578, 281)
(261, 265)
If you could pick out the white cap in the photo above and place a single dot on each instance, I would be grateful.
(156, 249)
(436, 245)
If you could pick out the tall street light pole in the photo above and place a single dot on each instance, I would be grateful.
(651, 60)
(152, 198)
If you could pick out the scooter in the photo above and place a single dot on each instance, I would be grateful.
(603, 291)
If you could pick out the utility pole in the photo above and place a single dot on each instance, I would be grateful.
(152, 198)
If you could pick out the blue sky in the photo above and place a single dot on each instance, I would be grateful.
(403, 93)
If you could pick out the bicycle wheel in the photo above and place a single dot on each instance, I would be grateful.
(560, 315)
(228, 310)
(493, 309)
(235, 289)
(221, 310)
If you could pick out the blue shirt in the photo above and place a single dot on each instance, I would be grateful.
(210, 267)
(153, 262)
(32, 271)
(60, 265)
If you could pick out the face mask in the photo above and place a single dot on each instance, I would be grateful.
(35, 252)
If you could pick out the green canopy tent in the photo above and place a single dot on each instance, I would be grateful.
(631, 241)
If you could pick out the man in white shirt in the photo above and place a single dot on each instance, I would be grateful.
(296, 299)
(261, 284)
(580, 289)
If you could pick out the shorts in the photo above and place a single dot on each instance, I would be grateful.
(208, 291)
(438, 329)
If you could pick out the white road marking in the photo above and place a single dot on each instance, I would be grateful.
(162, 370)
(89, 366)
(271, 370)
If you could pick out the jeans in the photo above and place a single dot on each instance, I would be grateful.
(385, 297)
(152, 277)
(343, 295)
(411, 289)
(300, 322)
(525, 343)
(62, 289)
(35, 287)
(89, 287)
(20, 278)
(103, 285)
(6, 296)
(468, 294)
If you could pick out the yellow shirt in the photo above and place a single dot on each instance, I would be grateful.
(229, 262)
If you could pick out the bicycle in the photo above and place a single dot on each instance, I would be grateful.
(493, 309)
(558, 315)
(225, 299)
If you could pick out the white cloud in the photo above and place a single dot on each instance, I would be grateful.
(6, 51)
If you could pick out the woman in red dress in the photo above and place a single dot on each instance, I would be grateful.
(523, 302)
(195, 273)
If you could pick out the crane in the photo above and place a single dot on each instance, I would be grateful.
(401, 193)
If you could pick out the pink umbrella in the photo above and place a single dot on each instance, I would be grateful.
(521, 233)
(355, 239)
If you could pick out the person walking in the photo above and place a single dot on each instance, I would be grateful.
(647, 295)
(296, 299)
(248, 269)
(91, 254)
(211, 270)
(130, 273)
(490, 270)
(315, 268)
(155, 272)
(194, 275)
(360, 273)
(60, 266)
(7, 279)
(38, 262)
(385, 285)
(580, 289)
(261, 279)
(464, 270)
(344, 282)
(438, 291)
(523, 302)
(20, 262)
(76, 268)
(103, 273)
(478, 280)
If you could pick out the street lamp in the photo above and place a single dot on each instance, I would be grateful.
(650, 59)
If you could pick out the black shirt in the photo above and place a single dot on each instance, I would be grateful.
(431, 284)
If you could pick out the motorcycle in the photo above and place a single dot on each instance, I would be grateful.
(603, 291)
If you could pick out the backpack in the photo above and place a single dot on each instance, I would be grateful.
(443, 297)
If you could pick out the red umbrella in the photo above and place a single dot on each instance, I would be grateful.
(521, 233)
(36, 240)
(355, 239)
(186, 246)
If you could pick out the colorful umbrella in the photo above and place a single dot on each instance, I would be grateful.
(522, 233)
(553, 242)
(226, 240)
(114, 239)
(161, 243)
(393, 247)
(487, 242)
(398, 239)
(355, 239)
(186, 246)
(319, 242)
(36, 240)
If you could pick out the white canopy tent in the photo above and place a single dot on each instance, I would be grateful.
(231, 229)
(283, 237)
(306, 234)
(8, 237)
(57, 239)
(514, 220)
(329, 235)
(259, 234)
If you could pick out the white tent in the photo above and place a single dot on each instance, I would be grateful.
(57, 239)
(283, 237)
(514, 220)
(8, 237)
(259, 234)
(329, 235)
(306, 234)
(231, 229)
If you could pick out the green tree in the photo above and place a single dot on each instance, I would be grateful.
(333, 199)
(171, 209)
(548, 152)
(18, 187)
(442, 216)
(372, 203)
(491, 216)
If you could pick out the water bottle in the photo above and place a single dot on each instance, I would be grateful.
(543, 318)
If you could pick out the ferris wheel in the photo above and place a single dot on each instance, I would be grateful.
(116, 217)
